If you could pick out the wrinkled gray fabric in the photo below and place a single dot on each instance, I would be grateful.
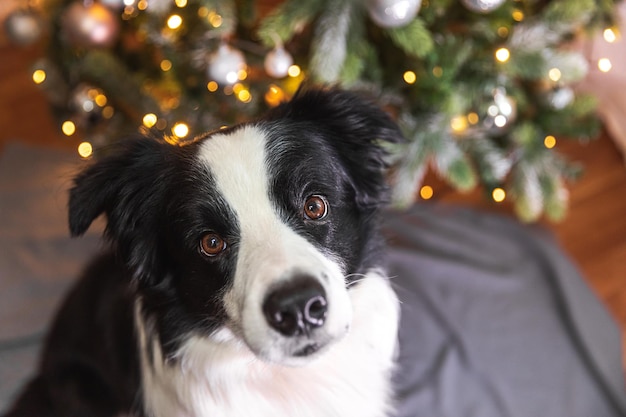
(496, 322)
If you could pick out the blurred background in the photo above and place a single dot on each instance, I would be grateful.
(510, 106)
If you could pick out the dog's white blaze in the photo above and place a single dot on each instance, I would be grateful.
(269, 251)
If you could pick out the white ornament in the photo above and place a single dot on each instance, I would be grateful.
(225, 64)
(561, 97)
(277, 62)
(501, 112)
(482, 6)
(23, 27)
(393, 13)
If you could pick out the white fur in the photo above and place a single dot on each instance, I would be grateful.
(247, 369)
(220, 377)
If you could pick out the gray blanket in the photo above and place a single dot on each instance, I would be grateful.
(496, 321)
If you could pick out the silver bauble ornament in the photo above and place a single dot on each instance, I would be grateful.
(560, 97)
(86, 104)
(482, 6)
(501, 112)
(392, 13)
(225, 64)
(91, 25)
(277, 62)
(23, 27)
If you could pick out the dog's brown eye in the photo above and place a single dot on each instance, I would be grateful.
(212, 244)
(315, 207)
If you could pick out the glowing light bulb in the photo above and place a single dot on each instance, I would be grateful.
(149, 120)
(212, 86)
(174, 21)
(604, 64)
(498, 195)
(609, 35)
(294, 71)
(68, 128)
(39, 76)
(503, 54)
(181, 3)
(180, 130)
(549, 141)
(85, 149)
(166, 65)
(409, 77)
(554, 74)
(459, 124)
(426, 192)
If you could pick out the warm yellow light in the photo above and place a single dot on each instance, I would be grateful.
(212, 86)
(244, 96)
(166, 65)
(503, 55)
(181, 3)
(426, 192)
(108, 112)
(215, 19)
(242, 74)
(85, 149)
(554, 74)
(458, 124)
(438, 71)
(498, 195)
(294, 71)
(68, 127)
(142, 5)
(503, 31)
(180, 130)
(409, 77)
(174, 21)
(604, 64)
(274, 96)
(549, 141)
(609, 35)
(39, 76)
(472, 118)
(518, 15)
(149, 120)
(101, 100)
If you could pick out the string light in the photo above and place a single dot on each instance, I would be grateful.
(609, 35)
(101, 100)
(473, 118)
(438, 71)
(180, 130)
(108, 112)
(554, 74)
(142, 5)
(503, 54)
(459, 124)
(174, 22)
(294, 71)
(409, 77)
(181, 3)
(68, 128)
(212, 86)
(39, 76)
(498, 195)
(149, 120)
(244, 96)
(604, 64)
(215, 19)
(166, 65)
(549, 141)
(503, 31)
(274, 95)
(426, 192)
(518, 15)
(85, 149)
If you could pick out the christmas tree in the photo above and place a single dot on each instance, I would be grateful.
(481, 88)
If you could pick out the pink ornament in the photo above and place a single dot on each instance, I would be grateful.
(90, 25)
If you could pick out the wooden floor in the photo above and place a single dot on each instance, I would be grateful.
(593, 234)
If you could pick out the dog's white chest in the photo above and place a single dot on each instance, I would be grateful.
(223, 379)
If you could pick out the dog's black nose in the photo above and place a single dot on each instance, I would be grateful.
(296, 306)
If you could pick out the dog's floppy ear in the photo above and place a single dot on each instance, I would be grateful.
(356, 128)
(126, 186)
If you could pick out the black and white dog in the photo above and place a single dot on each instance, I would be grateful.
(244, 278)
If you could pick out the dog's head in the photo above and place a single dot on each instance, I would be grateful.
(257, 230)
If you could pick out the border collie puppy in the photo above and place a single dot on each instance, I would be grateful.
(243, 279)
